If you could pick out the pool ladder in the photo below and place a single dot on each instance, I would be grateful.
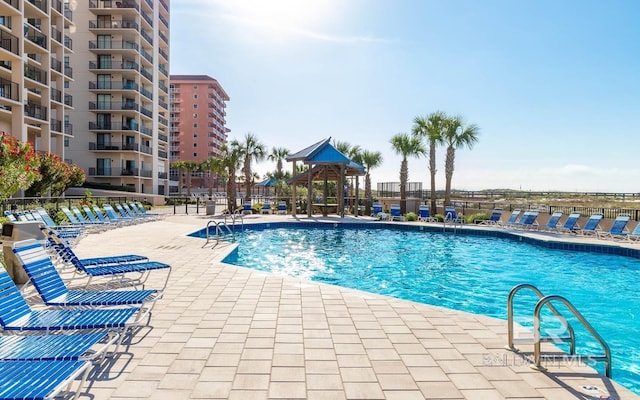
(538, 338)
(219, 225)
(448, 219)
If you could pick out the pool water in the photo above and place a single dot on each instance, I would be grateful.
(464, 272)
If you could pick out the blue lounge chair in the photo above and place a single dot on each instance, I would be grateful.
(591, 226)
(554, 219)
(246, 208)
(266, 208)
(634, 235)
(513, 218)
(53, 292)
(114, 216)
(395, 212)
(17, 316)
(70, 233)
(618, 228)
(104, 218)
(125, 213)
(494, 218)
(451, 216)
(75, 346)
(570, 224)
(10, 216)
(41, 379)
(528, 220)
(72, 218)
(282, 207)
(424, 214)
(376, 209)
(119, 268)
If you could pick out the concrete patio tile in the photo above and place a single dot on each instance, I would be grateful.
(358, 374)
(363, 390)
(440, 390)
(287, 374)
(251, 382)
(324, 382)
(287, 390)
(211, 390)
(470, 381)
(397, 382)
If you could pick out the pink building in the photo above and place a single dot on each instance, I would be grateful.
(197, 117)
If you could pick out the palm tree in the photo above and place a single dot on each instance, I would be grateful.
(456, 135)
(178, 166)
(431, 128)
(190, 166)
(212, 165)
(250, 149)
(278, 154)
(406, 146)
(355, 154)
(370, 159)
(231, 157)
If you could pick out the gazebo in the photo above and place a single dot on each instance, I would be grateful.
(325, 163)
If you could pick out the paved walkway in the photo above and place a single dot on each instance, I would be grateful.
(224, 332)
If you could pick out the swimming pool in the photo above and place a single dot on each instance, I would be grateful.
(463, 272)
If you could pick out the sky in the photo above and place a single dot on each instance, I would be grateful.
(554, 86)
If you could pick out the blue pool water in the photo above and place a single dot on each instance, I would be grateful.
(463, 272)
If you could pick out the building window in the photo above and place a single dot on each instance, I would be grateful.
(195, 95)
(195, 86)
(195, 145)
(195, 155)
(195, 135)
(195, 125)
(195, 106)
(195, 115)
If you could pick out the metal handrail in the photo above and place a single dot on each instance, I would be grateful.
(510, 345)
(536, 332)
(218, 225)
(454, 222)
(236, 215)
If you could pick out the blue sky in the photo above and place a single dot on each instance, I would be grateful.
(553, 85)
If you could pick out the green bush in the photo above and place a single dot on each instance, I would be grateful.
(439, 217)
(411, 216)
(471, 219)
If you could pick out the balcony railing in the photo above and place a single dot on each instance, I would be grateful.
(146, 93)
(162, 154)
(41, 4)
(113, 171)
(146, 74)
(56, 35)
(56, 64)
(130, 147)
(145, 149)
(146, 111)
(9, 90)
(111, 85)
(113, 105)
(56, 125)
(36, 111)
(163, 54)
(147, 37)
(113, 126)
(68, 42)
(114, 64)
(147, 18)
(146, 55)
(68, 100)
(35, 36)
(103, 147)
(123, 45)
(68, 128)
(114, 24)
(14, 3)
(9, 42)
(162, 175)
(35, 74)
(56, 95)
(57, 5)
(162, 138)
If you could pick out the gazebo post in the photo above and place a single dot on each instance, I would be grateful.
(293, 192)
(309, 187)
(325, 193)
(342, 192)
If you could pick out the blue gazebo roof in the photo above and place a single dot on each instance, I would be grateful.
(322, 152)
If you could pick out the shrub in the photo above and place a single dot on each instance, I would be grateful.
(411, 216)
(439, 217)
(471, 219)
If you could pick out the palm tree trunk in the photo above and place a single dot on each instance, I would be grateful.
(404, 176)
(247, 179)
(368, 195)
(448, 173)
(432, 172)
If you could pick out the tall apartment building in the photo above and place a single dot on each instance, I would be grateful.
(121, 93)
(35, 72)
(198, 128)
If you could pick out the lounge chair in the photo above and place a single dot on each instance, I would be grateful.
(494, 218)
(41, 379)
(74, 219)
(117, 269)
(9, 215)
(71, 234)
(513, 218)
(75, 346)
(634, 235)
(114, 216)
(53, 291)
(618, 228)
(266, 208)
(451, 216)
(591, 226)
(17, 316)
(395, 212)
(126, 213)
(376, 209)
(282, 207)
(424, 214)
(554, 219)
(528, 220)
(246, 208)
(570, 224)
